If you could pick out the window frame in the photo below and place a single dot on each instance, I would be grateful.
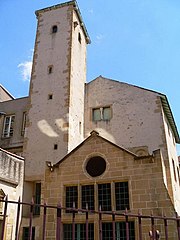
(78, 230)
(69, 203)
(37, 198)
(25, 233)
(105, 198)
(112, 196)
(120, 230)
(121, 201)
(101, 113)
(10, 126)
(54, 29)
(92, 204)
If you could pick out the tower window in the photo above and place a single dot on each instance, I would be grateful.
(50, 97)
(79, 37)
(55, 146)
(50, 69)
(54, 29)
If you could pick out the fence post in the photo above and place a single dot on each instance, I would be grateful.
(100, 223)
(127, 225)
(58, 222)
(87, 224)
(30, 219)
(113, 226)
(140, 225)
(17, 220)
(165, 227)
(73, 221)
(44, 221)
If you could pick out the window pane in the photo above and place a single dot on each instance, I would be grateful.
(121, 231)
(26, 233)
(104, 196)
(106, 113)
(71, 196)
(80, 231)
(8, 126)
(107, 232)
(96, 114)
(122, 195)
(12, 125)
(37, 198)
(87, 193)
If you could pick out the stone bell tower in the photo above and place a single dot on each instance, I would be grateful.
(56, 108)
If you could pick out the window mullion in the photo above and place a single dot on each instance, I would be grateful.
(9, 127)
(10, 123)
(113, 197)
(79, 197)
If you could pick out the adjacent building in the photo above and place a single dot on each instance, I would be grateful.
(82, 140)
(11, 186)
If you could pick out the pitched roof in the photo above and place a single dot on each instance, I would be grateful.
(6, 91)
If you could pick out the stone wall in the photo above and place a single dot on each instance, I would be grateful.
(144, 174)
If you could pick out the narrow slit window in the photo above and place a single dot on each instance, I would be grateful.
(50, 69)
(50, 97)
(79, 37)
(37, 198)
(55, 146)
(54, 29)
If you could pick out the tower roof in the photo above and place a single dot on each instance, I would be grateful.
(76, 8)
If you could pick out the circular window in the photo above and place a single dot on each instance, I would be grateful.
(96, 166)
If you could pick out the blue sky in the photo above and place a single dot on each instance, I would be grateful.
(133, 41)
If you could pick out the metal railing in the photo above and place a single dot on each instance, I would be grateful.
(160, 227)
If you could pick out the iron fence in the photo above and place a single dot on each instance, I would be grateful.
(160, 227)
